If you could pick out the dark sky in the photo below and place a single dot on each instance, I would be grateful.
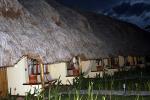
(133, 11)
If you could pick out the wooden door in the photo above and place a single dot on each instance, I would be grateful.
(3, 82)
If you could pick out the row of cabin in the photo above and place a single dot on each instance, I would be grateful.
(25, 75)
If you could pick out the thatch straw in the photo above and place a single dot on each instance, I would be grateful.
(51, 33)
(122, 37)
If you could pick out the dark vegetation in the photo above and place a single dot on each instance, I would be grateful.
(136, 79)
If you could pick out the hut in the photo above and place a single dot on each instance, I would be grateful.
(63, 42)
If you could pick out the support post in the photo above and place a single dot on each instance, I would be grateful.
(80, 65)
(42, 75)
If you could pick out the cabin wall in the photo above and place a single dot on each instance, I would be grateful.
(135, 60)
(131, 60)
(16, 78)
(141, 62)
(121, 61)
(106, 63)
(89, 69)
(59, 70)
(111, 71)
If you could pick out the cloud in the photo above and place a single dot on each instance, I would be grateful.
(141, 21)
(139, 1)
(136, 12)
(134, 20)
(146, 16)
(133, 11)
(129, 9)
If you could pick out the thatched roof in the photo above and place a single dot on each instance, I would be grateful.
(51, 33)
(122, 38)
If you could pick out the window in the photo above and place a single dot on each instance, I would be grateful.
(73, 67)
(111, 63)
(34, 71)
(115, 62)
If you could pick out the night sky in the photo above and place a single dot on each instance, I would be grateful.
(133, 11)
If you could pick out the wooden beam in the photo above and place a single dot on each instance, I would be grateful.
(42, 75)
(80, 65)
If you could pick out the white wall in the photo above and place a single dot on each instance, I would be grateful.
(121, 61)
(59, 70)
(111, 71)
(16, 78)
(17, 74)
(131, 60)
(88, 67)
